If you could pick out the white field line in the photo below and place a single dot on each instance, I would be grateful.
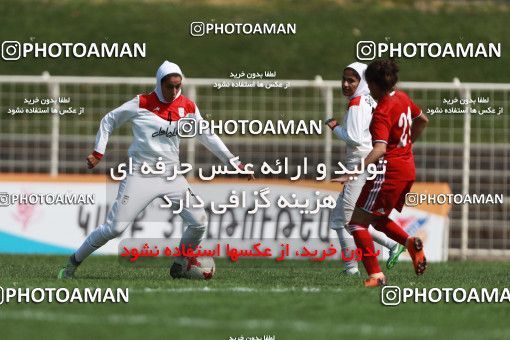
(260, 325)
(311, 290)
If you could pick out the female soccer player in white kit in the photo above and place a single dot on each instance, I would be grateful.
(150, 114)
(355, 133)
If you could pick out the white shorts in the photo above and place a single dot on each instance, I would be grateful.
(135, 193)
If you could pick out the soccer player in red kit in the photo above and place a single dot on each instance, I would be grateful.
(396, 123)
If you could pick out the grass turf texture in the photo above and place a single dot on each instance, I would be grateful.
(292, 300)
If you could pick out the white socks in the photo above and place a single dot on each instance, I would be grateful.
(94, 241)
(348, 245)
(381, 238)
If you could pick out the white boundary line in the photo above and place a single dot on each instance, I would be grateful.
(263, 325)
(307, 290)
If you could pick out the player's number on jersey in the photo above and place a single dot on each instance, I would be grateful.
(405, 122)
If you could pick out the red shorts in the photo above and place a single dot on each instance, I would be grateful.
(380, 196)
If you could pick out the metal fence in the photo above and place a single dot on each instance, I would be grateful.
(469, 151)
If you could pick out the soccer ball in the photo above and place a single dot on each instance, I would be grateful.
(199, 268)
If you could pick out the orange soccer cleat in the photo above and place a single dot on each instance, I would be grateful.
(375, 281)
(414, 246)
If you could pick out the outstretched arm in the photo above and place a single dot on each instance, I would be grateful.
(214, 144)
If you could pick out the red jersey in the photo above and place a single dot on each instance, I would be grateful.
(391, 124)
(179, 108)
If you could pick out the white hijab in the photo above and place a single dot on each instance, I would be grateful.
(165, 69)
(362, 86)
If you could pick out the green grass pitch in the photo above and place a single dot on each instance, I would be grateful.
(250, 298)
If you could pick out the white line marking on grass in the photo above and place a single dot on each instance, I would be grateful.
(311, 290)
(267, 325)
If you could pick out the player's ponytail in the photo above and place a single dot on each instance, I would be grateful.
(382, 72)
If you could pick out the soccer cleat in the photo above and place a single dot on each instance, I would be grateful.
(414, 246)
(68, 271)
(351, 272)
(372, 282)
(394, 254)
(65, 273)
(176, 271)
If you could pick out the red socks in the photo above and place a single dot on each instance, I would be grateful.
(391, 229)
(365, 242)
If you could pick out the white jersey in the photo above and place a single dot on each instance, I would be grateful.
(154, 126)
(355, 129)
